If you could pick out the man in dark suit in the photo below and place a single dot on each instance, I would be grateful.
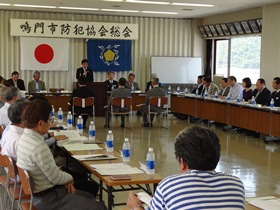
(149, 84)
(276, 94)
(130, 84)
(119, 92)
(110, 82)
(157, 92)
(199, 85)
(225, 87)
(261, 93)
(15, 81)
(83, 92)
(36, 83)
(85, 72)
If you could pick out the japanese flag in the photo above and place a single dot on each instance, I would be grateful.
(44, 53)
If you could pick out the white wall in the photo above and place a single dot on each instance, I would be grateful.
(270, 54)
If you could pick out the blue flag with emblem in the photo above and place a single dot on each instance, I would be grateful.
(109, 55)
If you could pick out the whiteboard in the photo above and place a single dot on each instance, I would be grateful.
(176, 69)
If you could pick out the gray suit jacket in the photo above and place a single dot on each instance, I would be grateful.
(225, 91)
(211, 89)
(157, 92)
(119, 92)
(128, 85)
(32, 86)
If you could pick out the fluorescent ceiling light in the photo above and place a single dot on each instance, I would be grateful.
(5, 4)
(155, 12)
(147, 2)
(193, 5)
(119, 10)
(78, 8)
(38, 6)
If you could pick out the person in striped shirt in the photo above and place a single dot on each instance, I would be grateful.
(199, 186)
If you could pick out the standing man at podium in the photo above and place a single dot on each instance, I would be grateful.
(85, 72)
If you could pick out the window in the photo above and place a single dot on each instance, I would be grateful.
(239, 57)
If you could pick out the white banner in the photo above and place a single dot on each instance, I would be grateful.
(44, 54)
(73, 29)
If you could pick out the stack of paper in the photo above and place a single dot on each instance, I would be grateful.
(72, 135)
(81, 146)
(116, 169)
(266, 203)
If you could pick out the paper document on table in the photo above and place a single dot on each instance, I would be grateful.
(71, 134)
(81, 146)
(94, 157)
(116, 169)
(266, 203)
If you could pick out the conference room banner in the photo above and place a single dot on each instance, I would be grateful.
(73, 29)
(109, 55)
(50, 54)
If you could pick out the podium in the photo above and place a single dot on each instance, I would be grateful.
(100, 96)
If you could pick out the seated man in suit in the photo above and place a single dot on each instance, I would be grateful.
(82, 92)
(36, 85)
(110, 82)
(130, 84)
(156, 91)
(149, 84)
(261, 93)
(85, 72)
(15, 81)
(199, 85)
(225, 87)
(276, 94)
(119, 92)
(209, 86)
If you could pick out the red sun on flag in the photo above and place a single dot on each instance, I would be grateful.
(44, 53)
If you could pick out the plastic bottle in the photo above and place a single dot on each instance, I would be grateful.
(110, 142)
(228, 97)
(186, 91)
(216, 95)
(272, 103)
(52, 113)
(37, 87)
(69, 121)
(58, 89)
(253, 102)
(169, 89)
(238, 99)
(60, 116)
(126, 150)
(132, 88)
(91, 131)
(80, 125)
(205, 94)
(178, 90)
(150, 162)
(197, 92)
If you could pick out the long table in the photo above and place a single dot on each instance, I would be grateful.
(123, 185)
(255, 118)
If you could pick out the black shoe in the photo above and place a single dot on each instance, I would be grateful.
(146, 125)
(122, 125)
(106, 126)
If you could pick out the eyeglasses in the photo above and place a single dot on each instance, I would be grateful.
(51, 119)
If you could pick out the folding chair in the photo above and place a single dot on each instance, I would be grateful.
(82, 103)
(158, 105)
(122, 103)
(14, 186)
(3, 178)
(26, 189)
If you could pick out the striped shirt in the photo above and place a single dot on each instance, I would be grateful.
(199, 190)
(34, 155)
